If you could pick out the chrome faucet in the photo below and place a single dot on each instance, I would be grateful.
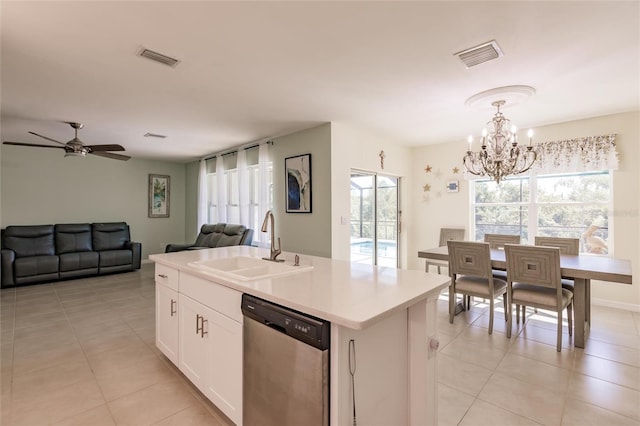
(275, 252)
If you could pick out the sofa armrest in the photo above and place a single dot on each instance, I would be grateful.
(136, 248)
(8, 256)
(247, 238)
(170, 248)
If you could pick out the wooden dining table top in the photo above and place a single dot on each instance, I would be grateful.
(584, 266)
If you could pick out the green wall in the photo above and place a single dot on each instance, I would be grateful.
(40, 186)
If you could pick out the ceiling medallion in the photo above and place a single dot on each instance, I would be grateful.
(511, 95)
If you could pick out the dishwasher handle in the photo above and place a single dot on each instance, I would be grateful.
(275, 326)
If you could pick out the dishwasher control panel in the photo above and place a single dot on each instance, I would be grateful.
(306, 328)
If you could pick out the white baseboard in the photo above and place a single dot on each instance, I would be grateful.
(618, 305)
(145, 261)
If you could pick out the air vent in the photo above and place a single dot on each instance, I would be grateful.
(154, 135)
(480, 54)
(158, 57)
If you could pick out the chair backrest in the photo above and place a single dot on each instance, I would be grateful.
(533, 265)
(232, 235)
(469, 258)
(451, 234)
(31, 240)
(209, 235)
(73, 237)
(569, 246)
(110, 236)
(497, 241)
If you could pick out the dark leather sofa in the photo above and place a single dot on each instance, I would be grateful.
(216, 235)
(32, 254)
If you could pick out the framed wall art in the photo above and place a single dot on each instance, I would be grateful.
(159, 195)
(452, 186)
(298, 183)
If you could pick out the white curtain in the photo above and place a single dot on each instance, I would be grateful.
(251, 211)
(584, 154)
(202, 195)
(221, 183)
(264, 190)
(244, 196)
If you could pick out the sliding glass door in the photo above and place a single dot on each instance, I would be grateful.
(375, 218)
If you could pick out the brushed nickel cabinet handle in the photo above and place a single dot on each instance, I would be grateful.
(198, 323)
(202, 332)
(173, 307)
(163, 276)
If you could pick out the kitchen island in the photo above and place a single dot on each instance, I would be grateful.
(389, 313)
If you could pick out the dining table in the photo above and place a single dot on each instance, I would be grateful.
(581, 269)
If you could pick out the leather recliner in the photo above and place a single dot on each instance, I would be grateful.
(216, 235)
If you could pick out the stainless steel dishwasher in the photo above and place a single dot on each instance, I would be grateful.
(285, 366)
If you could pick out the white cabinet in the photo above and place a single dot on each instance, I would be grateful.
(194, 341)
(167, 321)
(167, 311)
(224, 384)
(199, 328)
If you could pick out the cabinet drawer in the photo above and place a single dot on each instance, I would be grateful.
(223, 299)
(167, 276)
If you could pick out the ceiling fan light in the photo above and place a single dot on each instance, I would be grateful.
(75, 154)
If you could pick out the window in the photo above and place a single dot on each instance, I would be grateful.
(233, 196)
(561, 205)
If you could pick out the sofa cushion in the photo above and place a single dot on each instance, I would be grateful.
(79, 260)
(110, 236)
(115, 258)
(209, 235)
(35, 265)
(203, 236)
(231, 236)
(73, 237)
(29, 240)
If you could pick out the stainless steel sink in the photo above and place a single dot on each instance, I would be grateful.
(245, 268)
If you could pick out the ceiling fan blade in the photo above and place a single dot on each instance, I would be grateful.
(49, 139)
(33, 144)
(110, 155)
(113, 147)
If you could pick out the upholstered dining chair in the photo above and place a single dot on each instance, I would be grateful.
(470, 271)
(533, 279)
(568, 246)
(446, 234)
(497, 241)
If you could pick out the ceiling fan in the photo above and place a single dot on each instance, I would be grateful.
(75, 147)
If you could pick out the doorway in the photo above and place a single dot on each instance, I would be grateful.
(375, 218)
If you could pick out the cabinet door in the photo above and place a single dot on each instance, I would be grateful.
(224, 381)
(194, 340)
(167, 321)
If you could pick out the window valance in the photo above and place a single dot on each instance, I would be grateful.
(583, 154)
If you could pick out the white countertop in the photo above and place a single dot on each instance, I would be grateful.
(348, 294)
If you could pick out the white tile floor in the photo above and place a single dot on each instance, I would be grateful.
(82, 352)
(491, 380)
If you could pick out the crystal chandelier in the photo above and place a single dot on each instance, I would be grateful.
(500, 154)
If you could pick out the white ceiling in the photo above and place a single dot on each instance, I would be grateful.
(254, 70)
